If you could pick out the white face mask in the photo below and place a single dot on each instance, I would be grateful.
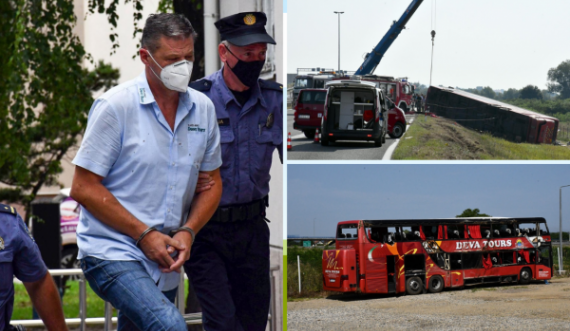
(175, 76)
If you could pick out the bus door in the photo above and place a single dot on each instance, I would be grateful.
(376, 276)
(454, 268)
(544, 265)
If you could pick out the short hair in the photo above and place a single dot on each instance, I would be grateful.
(226, 43)
(168, 25)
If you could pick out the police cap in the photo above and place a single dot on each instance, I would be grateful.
(244, 29)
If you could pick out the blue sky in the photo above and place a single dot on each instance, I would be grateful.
(284, 6)
(331, 193)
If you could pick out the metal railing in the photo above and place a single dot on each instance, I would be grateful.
(109, 320)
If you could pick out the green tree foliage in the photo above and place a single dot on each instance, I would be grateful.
(112, 16)
(511, 94)
(530, 92)
(45, 93)
(488, 92)
(559, 79)
(472, 213)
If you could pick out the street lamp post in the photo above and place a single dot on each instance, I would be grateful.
(560, 238)
(338, 13)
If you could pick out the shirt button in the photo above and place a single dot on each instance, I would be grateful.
(171, 187)
(173, 164)
(168, 210)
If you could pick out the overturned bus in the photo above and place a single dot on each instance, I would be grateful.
(488, 115)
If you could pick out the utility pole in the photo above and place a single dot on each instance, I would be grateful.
(338, 13)
(560, 270)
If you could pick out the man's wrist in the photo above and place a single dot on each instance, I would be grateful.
(145, 232)
(186, 229)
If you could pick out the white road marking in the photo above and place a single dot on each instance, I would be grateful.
(392, 148)
(302, 135)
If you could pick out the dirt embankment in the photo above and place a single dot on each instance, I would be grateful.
(438, 138)
(515, 307)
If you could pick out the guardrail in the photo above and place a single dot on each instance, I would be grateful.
(109, 320)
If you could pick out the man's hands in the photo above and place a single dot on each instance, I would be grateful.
(205, 182)
(158, 247)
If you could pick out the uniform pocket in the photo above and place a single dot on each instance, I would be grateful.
(226, 139)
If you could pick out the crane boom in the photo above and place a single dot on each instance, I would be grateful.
(373, 58)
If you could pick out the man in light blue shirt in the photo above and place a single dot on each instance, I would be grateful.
(137, 168)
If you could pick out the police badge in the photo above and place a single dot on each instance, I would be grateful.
(1, 243)
(269, 122)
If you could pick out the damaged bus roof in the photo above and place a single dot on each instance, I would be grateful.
(495, 103)
(460, 220)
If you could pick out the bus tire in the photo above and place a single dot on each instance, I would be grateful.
(525, 276)
(414, 285)
(435, 284)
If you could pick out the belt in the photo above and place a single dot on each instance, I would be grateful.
(241, 212)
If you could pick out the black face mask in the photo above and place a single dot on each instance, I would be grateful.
(247, 72)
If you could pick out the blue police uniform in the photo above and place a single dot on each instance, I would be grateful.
(229, 264)
(19, 256)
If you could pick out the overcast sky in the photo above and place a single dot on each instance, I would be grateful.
(501, 44)
(331, 193)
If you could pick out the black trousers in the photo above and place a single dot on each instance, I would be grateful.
(229, 270)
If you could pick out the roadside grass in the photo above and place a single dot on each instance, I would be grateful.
(438, 138)
(311, 274)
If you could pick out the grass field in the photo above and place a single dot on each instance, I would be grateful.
(442, 139)
(95, 305)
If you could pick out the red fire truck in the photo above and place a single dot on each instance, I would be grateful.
(415, 256)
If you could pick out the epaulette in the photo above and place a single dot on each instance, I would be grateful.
(271, 85)
(7, 209)
(201, 85)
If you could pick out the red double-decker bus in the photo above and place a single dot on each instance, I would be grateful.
(415, 256)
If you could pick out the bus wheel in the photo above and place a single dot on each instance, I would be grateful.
(435, 284)
(414, 285)
(525, 276)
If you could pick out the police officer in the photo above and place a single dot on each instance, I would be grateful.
(20, 257)
(229, 265)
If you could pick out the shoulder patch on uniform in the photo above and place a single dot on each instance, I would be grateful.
(7, 209)
(201, 85)
(270, 85)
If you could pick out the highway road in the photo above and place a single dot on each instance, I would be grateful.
(305, 149)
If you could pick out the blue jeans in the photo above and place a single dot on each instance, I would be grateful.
(130, 289)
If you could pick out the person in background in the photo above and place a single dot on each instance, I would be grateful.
(229, 267)
(20, 257)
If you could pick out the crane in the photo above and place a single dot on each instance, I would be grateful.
(373, 58)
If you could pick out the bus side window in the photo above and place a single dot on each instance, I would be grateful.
(504, 230)
(429, 231)
(486, 231)
(377, 234)
(438, 259)
(507, 257)
(471, 260)
(455, 261)
(391, 235)
(455, 232)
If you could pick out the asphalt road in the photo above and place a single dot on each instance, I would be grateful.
(305, 149)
